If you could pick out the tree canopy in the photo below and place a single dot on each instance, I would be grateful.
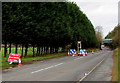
(115, 35)
(49, 24)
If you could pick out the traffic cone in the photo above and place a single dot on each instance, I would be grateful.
(68, 53)
(92, 52)
(86, 53)
(19, 63)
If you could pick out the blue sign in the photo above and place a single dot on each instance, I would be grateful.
(72, 52)
(82, 51)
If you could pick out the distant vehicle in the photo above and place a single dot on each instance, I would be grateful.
(102, 46)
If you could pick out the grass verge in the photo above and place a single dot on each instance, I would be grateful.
(92, 49)
(116, 66)
(30, 59)
(6, 65)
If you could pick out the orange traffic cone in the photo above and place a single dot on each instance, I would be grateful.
(92, 52)
(19, 63)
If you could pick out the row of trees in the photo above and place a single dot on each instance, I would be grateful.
(47, 25)
(115, 35)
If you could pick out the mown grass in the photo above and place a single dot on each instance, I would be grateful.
(29, 53)
(116, 66)
(28, 59)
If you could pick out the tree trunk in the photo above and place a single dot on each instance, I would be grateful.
(5, 50)
(26, 49)
(37, 52)
(16, 48)
(22, 50)
(51, 50)
(44, 50)
(41, 50)
(47, 50)
(56, 49)
(33, 50)
(10, 48)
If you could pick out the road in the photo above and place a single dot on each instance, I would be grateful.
(68, 68)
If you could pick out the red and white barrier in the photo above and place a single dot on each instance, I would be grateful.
(14, 58)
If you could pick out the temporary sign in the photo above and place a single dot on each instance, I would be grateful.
(14, 57)
(82, 51)
(72, 52)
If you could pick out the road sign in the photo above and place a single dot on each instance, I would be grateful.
(82, 51)
(107, 41)
(14, 57)
(78, 45)
(72, 52)
(79, 42)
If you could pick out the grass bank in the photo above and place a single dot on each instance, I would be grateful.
(116, 66)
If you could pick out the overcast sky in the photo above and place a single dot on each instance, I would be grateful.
(100, 12)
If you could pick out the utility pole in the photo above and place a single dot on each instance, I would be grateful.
(119, 13)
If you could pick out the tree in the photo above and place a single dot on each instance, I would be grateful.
(99, 35)
(46, 26)
(115, 35)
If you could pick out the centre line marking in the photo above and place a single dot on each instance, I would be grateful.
(58, 64)
(78, 58)
(46, 68)
(91, 70)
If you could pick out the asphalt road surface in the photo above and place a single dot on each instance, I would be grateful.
(69, 68)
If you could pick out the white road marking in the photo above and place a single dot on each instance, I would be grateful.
(58, 64)
(46, 68)
(91, 71)
(78, 58)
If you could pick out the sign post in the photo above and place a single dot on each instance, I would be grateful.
(79, 45)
